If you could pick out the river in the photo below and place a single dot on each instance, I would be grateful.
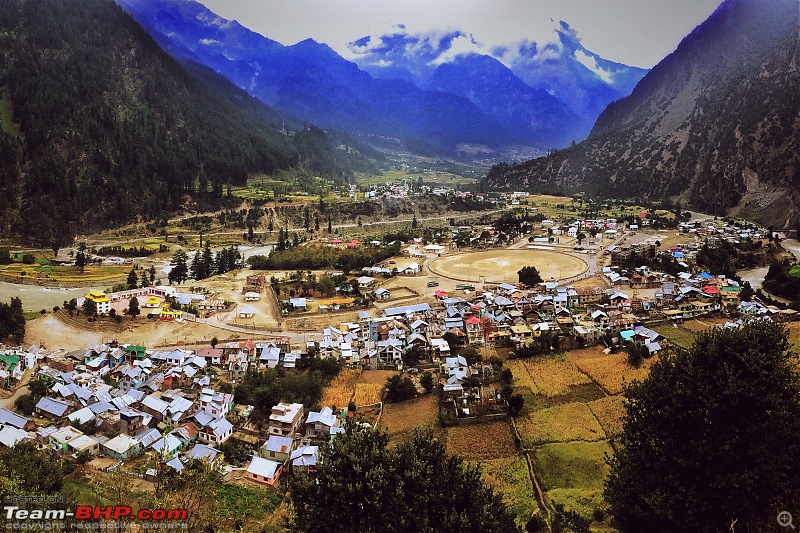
(756, 275)
(35, 298)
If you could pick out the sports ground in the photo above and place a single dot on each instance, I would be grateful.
(498, 266)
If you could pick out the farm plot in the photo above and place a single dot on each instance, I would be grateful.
(509, 477)
(481, 441)
(609, 411)
(340, 391)
(679, 336)
(609, 371)
(400, 418)
(572, 474)
(549, 376)
(562, 423)
(367, 393)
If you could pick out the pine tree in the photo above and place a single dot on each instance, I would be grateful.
(179, 271)
(133, 307)
(133, 279)
(206, 261)
(194, 270)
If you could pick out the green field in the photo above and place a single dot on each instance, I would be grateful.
(565, 206)
(562, 423)
(573, 465)
(680, 337)
(573, 473)
(509, 477)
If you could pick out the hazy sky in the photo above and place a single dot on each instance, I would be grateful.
(634, 32)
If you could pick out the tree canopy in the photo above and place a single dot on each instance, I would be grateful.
(529, 275)
(710, 437)
(12, 320)
(361, 485)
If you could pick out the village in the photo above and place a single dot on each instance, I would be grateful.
(443, 315)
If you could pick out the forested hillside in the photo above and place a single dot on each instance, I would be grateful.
(99, 126)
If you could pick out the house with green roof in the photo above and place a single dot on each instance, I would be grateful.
(8, 362)
(135, 352)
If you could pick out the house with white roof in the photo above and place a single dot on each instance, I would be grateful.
(304, 459)
(201, 452)
(456, 367)
(216, 404)
(59, 439)
(167, 445)
(264, 471)
(319, 424)
(216, 432)
(52, 408)
(285, 419)
(123, 446)
(10, 436)
(10, 418)
(277, 448)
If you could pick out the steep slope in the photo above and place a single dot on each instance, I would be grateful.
(715, 125)
(310, 81)
(103, 127)
(577, 76)
(535, 113)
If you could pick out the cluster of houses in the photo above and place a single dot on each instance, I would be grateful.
(122, 400)
(286, 447)
(153, 301)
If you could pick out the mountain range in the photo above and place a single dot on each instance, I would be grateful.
(714, 126)
(548, 99)
(100, 127)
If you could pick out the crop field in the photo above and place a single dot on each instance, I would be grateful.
(400, 418)
(573, 465)
(550, 376)
(609, 411)
(340, 391)
(572, 474)
(481, 441)
(562, 423)
(367, 393)
(609, 371)
(502, 265)
(509, 477)
(377, 377)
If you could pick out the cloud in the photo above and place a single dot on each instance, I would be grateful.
(460, 46)
(209, 41)
(591, 63)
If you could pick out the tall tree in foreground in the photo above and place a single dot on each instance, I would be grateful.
(362, 486)
(710, 437)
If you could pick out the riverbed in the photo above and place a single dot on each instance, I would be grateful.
(35, 297)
